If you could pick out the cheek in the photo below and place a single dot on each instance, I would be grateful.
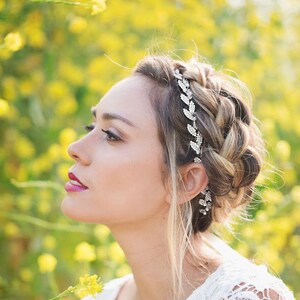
(129, 186)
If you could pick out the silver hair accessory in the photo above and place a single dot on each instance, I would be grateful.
(196, 141)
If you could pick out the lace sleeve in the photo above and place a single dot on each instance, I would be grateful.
(242, 280)
(277, 291)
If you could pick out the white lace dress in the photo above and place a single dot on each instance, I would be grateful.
(235, 279)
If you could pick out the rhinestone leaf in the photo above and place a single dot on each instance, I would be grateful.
(202, 202)
(195, 147)
(191, 130)
(177, 74)
(194, 124)
(197, 160)
(202, 211)
(182, 86)
(199, 138)
(185, 99)
(185, 82)
(192, 107)
(189, 115)
(207, 196)
(189, 94)
(209, 205)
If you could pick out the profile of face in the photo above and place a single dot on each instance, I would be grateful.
(119, 161)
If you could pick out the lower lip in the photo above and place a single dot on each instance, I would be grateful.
(69, 187)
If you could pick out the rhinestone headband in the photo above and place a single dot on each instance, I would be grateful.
(196, 137)
(187, 98)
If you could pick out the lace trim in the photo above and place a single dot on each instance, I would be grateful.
(242, 280)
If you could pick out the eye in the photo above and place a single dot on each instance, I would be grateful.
(111, 136)
(89, 128)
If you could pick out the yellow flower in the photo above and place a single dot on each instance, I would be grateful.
(49, 242)
(71, 73)
(2, 4)
(77, 25)
(57, 90)
(98, 6)
(67, 136)
(88, 285)
(44, 206)
(295, 193)
(13, 41)
(26, 274)
(10, 86)
(85, 252)
(24, 202)
(26, 87)
(273, 196)
(47, 263)
(24, 148)
(54, 152)
(11, 229)
(101, 232)
(101, 254)
(116, 253)
(4, 108)
(66, 107)
(283, 150)
(62, 171)
(36, 38)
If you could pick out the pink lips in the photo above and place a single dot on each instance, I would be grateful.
(74, 185)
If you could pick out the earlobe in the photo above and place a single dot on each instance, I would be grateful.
(194, 180)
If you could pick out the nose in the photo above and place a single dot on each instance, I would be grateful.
(79, 152)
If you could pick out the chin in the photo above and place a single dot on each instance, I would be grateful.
(77, 211)
(69, 209)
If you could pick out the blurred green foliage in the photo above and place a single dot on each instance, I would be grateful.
(57, 60)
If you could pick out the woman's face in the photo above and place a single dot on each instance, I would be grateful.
(121, 168)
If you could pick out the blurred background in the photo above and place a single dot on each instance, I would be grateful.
(57, 60)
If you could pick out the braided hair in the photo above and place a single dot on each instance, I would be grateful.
(232, 145)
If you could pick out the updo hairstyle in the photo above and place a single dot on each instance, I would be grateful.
(232, 145)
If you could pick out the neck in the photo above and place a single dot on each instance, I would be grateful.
(146, 249)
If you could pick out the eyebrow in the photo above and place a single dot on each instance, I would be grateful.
(112, 116)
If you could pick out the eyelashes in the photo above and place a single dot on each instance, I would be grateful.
(89, 128)
(110, 136)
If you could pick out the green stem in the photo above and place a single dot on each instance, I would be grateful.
(64, 2)
(85, 267)
(44, 224)
(38, 184)
(52, 283)
(62, 294)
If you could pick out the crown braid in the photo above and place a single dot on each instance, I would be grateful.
(231, 142)
(231, 149)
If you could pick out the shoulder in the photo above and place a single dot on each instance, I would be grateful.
(242, 280)
(251, 281)
(111, 289)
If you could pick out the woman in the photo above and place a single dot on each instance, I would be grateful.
(172, 149)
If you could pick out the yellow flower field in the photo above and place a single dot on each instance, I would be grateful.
(57, 58)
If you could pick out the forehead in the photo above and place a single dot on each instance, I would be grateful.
(129, 98)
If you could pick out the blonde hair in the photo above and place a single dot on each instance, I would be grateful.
(232, 148)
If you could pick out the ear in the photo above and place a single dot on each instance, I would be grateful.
(194, 179)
